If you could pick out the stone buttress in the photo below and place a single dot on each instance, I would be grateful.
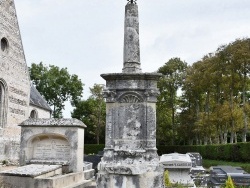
(130, 156)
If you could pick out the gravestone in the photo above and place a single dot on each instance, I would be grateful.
(196, 159)
(198, 173)
(130, 158)
(51, 155)
(53, 141)
(219, 175)
(179, 166)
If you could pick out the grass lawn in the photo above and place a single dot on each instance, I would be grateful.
(209, 163)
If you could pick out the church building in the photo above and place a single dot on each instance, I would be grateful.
(19, 99)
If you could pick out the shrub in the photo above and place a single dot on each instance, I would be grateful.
(167, 181)
(229, 183)
(228, 152)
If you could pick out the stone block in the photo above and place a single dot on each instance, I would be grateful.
(53, 141)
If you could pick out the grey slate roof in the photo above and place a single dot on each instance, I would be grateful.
(36, 99)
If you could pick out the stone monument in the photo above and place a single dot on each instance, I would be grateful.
(179, 166)
(51, 155)
(130, 157)
(220, 174)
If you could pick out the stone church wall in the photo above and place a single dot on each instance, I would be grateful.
(15, 78)
(41, 113)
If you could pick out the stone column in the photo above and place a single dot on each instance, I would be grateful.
(130, 157)
(131, 54)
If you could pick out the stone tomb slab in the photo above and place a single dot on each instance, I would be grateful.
(33, 170)
(54, 142)
(44, 176)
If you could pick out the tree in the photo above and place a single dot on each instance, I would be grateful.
(173, 75)
(215, 95)
(100, 108)
(56, 85)
(93, 113)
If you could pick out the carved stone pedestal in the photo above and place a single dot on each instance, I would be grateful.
(130, 157)
(145, 180)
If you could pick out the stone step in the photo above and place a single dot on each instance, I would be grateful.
(81, 184)
(89, 174)
(61, 180)
(34, 171)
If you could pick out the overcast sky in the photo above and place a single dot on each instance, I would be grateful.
(86, 36)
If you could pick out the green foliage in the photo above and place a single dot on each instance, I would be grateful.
(56, 85)
(166, 179)
(93, 113)
(215, 101)
(229, 183)
(93, 148)
(228, 152)
(5, 162)
(173, 73)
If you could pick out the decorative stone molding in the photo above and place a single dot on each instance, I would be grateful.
(109, 95)
(152, 95)
(3, 102)
(130, 153)
(130, 98)
(119, 170)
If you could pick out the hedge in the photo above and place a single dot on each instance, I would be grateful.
(239, 152)
(93, 148)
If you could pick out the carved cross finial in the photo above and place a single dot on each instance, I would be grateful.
(132, 1)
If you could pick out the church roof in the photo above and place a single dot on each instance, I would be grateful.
(36, 99)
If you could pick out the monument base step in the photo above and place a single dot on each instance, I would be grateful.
(34, 171)
(44, 176)
(82, 184)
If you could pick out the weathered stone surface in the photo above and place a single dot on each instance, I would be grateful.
(178, 166)
(151, 179)
(131, 40)
(63, 122)
(130, 158)
(53, 141)
(50, 179)
(14, 83)
(32, 170)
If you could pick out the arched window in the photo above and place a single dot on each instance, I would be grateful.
(4, 44)
(2, 105)
(33, 114)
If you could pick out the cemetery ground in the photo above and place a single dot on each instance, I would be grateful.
(208, 163)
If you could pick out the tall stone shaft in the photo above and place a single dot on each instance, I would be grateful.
(131, 53)
(130, 157)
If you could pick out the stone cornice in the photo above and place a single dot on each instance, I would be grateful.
(131, 76)
(53, 123)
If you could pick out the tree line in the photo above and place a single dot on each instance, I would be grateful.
(213, 107)
(207, 102)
